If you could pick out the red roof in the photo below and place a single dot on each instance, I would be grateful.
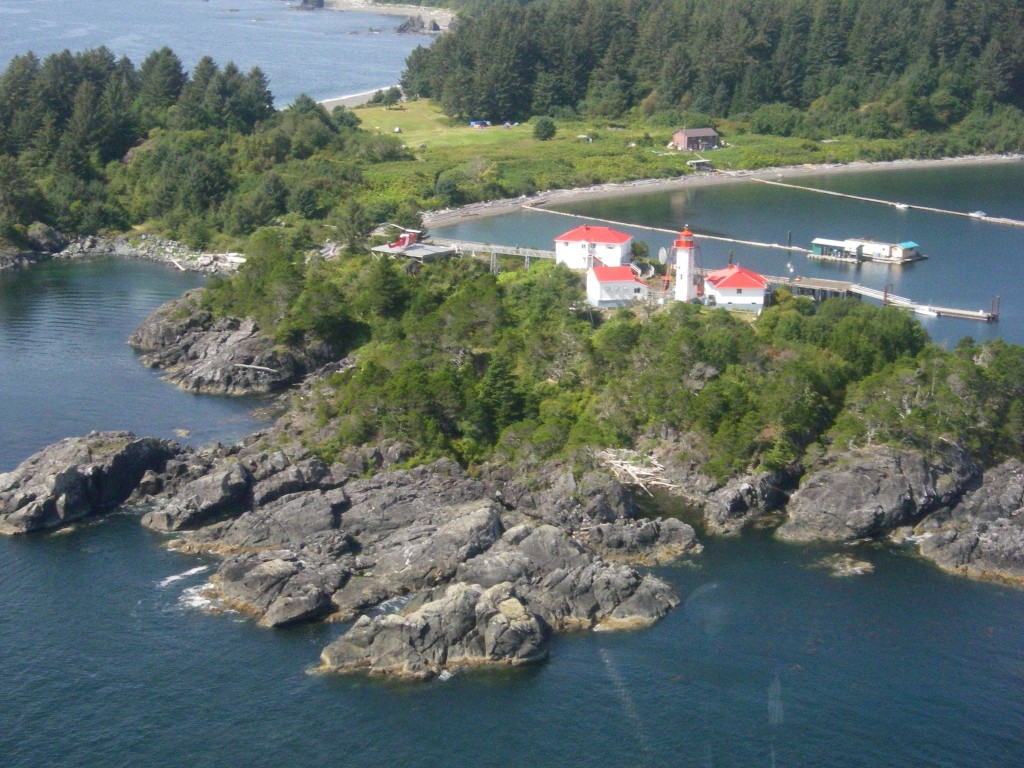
(615, 275)
(589, 234)
(735, 276)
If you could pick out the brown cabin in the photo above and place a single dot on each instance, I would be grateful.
(696, 139)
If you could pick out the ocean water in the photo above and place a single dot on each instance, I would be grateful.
(66, 367)
(319, 53)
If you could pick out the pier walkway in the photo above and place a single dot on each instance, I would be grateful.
(976, 215)
(820, 289)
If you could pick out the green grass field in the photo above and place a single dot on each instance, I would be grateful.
(455, 164)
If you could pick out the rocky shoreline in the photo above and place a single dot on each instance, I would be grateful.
(483, 568)
(46, 244)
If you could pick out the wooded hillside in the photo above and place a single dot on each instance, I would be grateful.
(868, 67)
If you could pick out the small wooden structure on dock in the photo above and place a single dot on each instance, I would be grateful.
(855, 251)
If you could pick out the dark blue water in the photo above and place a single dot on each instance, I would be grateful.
(970, 262)
(66, 369)
(104, 664)
(322, 53)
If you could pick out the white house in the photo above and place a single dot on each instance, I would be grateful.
(614, 286)
(735, 286)
(586, 246)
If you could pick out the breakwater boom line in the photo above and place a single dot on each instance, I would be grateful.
(673, 232)
(977, 216)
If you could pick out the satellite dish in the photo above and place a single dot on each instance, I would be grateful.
(662, 256)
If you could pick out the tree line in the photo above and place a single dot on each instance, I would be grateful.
(815, 68)
(90, 142)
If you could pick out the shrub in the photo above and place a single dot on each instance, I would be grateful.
(544, 129)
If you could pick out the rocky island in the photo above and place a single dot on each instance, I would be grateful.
(440, 569)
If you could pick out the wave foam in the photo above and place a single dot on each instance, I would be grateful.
(178, 577)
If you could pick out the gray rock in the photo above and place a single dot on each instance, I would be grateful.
(287, 522)
(221, 491)
(77, 478)
(983, 536)
(872, 491)
(424, 553)
(280, 587)
(467, 626)
(648, 542)
(224, 356)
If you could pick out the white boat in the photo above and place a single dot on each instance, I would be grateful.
(925, 311)
(901, 206)
(977, 214)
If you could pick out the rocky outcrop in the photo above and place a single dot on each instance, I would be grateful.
(78, 477)
(223, 356)
(439, 569)
(872, 491)
(983, 536)
(675, 463)
(466, 625)
(477, 556)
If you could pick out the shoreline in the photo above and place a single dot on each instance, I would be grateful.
(442, 16)
(352, 99)
(655, 186)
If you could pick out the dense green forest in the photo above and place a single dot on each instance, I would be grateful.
(456, 361)
(89, 142)
(814, 68)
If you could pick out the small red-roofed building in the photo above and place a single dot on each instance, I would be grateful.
(586, 246)
(735, 286)
(614, 286)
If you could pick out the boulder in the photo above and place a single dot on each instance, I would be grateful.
(221, 491)
(983, 536)
(77, 478)
(281, 586)
(870, 492)
(648, 542)
(466, 625)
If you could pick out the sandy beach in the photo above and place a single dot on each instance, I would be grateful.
(654, 186)
(442, 16)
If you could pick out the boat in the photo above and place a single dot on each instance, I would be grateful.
(901, 206)
(977, 214)
(925, 311)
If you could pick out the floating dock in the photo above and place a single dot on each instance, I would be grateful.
(854, 251)
(673, 232)
(976, 215)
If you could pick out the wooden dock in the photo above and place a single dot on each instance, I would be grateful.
(820, 289)
(976, 215)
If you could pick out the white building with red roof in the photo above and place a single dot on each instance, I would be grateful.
(614, 286)
(586, 246)
(735, 286)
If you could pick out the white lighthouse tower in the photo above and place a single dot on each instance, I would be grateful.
(684, 250)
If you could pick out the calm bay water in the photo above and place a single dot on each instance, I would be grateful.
(66, 369)
(321, 53)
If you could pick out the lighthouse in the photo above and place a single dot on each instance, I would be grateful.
(684, 250)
